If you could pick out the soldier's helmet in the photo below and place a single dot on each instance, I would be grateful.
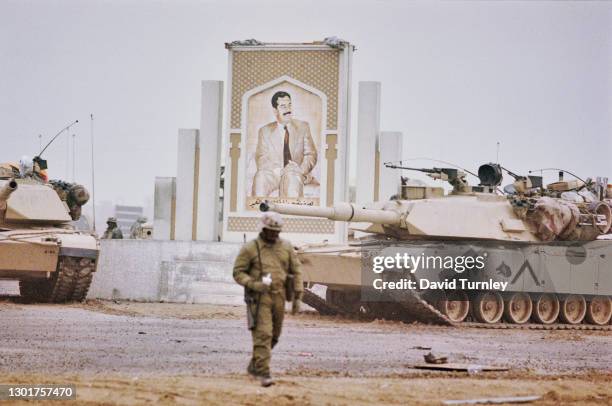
(271, 220)
(142, 219)
(111, 220)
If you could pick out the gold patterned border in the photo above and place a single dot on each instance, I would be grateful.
(331, 153)
(234, 157)
(291, 225)
(317, 68)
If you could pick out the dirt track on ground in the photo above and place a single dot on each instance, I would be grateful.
(140, 353)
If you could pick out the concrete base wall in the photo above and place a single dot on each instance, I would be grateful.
(169, 271)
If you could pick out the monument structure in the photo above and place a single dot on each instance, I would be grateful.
(286, 140)
(287, 130)
(164, 208)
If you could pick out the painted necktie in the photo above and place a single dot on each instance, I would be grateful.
(286, 152)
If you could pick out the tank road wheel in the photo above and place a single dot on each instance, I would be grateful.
(488, 307)
(518, 308)
(599, 310)
(455, 306)
(573, 309)
(545, 308)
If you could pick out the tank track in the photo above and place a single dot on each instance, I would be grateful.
(70, 283)
(412, 305)
(533, 326)
(420, 310)
(322, 306)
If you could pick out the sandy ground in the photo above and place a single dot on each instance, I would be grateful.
(135, 353)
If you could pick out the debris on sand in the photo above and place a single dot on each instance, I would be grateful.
(459, 367)
(433, 359)
(488, 401)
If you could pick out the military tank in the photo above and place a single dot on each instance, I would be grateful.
(548, 246)
(38, 244)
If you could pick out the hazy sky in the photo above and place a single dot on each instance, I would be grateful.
(456, 78)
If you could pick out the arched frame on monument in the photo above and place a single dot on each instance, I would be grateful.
(317, 79)
(310, 105)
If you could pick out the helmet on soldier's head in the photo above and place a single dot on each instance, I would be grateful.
(111, 220)
(271, 220)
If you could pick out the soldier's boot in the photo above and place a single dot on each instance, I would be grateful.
(274, 341)
(266, 381)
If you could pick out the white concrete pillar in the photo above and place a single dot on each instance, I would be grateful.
(390, 150)
(368, 125)
(208, 205)
(186, 199)
(163, 208)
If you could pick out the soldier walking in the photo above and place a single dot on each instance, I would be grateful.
(269, 270)
(112, 231)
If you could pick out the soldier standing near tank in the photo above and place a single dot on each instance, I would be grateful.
(112, 231)
(136, 228)
(269, 269)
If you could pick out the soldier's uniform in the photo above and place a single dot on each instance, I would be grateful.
(136, 228)
(112, 233)
(277, 259)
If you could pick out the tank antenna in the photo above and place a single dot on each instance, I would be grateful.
(74, 157)
(93, 182)
(497, 157)
(557, 169)
(67, 128)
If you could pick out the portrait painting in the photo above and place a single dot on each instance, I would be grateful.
(284, 125)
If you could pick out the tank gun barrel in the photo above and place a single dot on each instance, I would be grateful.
(5, 192)
(453, 176)
(447, 174)
(424, 170)
(338, 212)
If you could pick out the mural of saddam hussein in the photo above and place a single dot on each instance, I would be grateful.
(285, 154)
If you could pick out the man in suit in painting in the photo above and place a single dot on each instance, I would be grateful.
(286, 153)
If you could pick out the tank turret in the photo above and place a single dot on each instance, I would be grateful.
(525, 212)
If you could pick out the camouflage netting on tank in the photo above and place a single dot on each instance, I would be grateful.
(73, 194)
(553, 219)
(558, 219)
